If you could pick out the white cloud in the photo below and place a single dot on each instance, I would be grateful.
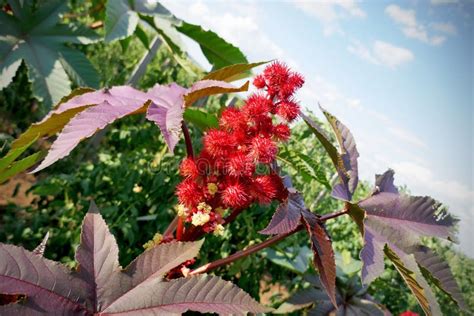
(407, 137)
(443, 2)
(447, 28)
(382, 53)
(458, 197)
(406, 18)
(330, 12)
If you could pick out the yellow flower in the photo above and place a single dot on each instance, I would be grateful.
(154, 242)
(212, 188)
(204, 207)
(200, 218)
(220, 211)
(219, 230)
(137, 188)
(182, 210)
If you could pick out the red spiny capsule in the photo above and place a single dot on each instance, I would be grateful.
(281, 132)
(257, 105)
(264, 189)
(232, 119)
(276, 74)
(263, 149)
(239, 164)
(259, 82)
(216, 142)
(188, 168)
(235, 196)
(288, 110)
(189, 192)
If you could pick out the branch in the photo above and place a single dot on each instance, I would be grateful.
(171, 227)
(255, 248)
(243, 253)
(187, 140)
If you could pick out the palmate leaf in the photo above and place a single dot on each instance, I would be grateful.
(38, 39)
(163, 105)
(352, 299)
(324, 254)
(437, 270)
(410, 272)
(218, 52)
(100, 286)
(393, 225)
(344, 159)
(288, 216)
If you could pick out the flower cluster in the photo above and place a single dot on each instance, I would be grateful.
(234, 168)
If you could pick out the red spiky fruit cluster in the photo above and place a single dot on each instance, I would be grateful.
(224, 174)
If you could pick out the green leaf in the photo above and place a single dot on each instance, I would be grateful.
(20, 166)
(218, 52)
(142, 36)
(79, 68)
(14, 153)
(201, 119)
(305, 166)
(408, 269)
(37, 38)
(120, 20)
(232, 72)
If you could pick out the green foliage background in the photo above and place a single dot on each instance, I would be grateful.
(133, 154)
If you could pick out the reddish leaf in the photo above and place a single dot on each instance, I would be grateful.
(167, 111)
(324, 258)
(287, 216)
(101, 287)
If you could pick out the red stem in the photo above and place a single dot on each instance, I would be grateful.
(171, 227)
(187, 140)
(243, 253)
(179, 229)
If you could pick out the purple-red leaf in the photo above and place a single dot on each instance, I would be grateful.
(344, 159)
(287, 216)
(48, 285)
(324, 258)
(101, 287)
(39, 250)
(393, 226)
(348, 173)
(111, 104)
(167, 111)
(97, 257)
(437, 270)
(203, 293)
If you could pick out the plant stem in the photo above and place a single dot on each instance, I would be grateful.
(187, 140)
(333, 215)
(243, 253)
(179, 229)
(255, 248)
(171, 227)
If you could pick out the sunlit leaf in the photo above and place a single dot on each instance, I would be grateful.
(101, 286)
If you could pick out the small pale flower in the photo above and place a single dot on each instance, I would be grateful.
(137, 188)
(219, 230)
(204, 207)
(182, 210)
(212, 188)
(200, 218)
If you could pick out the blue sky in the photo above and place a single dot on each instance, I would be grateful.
(399, 74)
